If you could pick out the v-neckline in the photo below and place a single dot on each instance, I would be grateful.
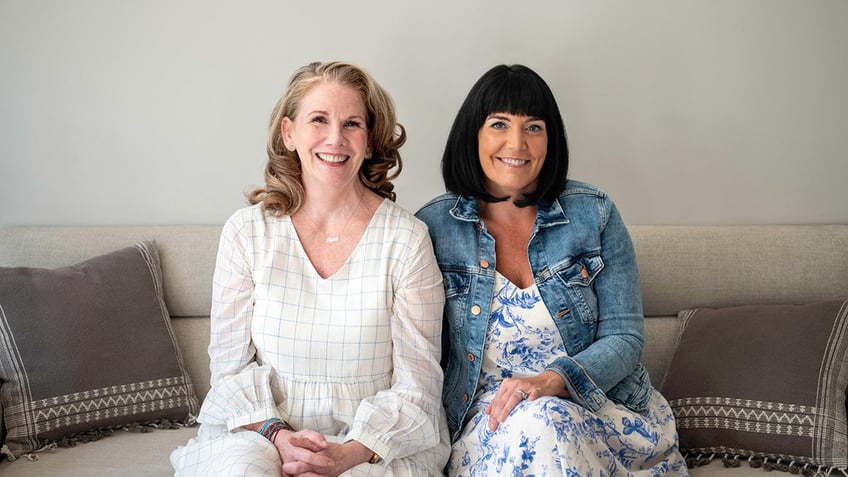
(529, 288)
(347, 259)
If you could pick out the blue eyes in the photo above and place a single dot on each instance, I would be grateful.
(533, 128)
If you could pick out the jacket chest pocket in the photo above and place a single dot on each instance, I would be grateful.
(578, 275)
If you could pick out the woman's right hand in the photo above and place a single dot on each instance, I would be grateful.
(514, 390)
(304, 447)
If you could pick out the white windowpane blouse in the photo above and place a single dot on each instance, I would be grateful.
(355, 355)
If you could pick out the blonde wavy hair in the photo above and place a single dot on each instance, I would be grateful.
(283, 191)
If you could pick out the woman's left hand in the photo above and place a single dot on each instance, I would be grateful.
(515, 390)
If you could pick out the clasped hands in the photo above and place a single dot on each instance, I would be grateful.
(515, 390)
(308, 453)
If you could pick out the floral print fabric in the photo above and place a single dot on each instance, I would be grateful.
(551, 435)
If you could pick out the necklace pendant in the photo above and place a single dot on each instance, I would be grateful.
(333, 239)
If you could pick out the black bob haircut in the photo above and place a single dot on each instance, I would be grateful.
(511, 89)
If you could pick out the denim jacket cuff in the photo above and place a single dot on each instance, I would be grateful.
(581, 388)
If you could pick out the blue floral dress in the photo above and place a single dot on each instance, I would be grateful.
(551, 435)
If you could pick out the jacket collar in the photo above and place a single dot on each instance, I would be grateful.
(548, 212)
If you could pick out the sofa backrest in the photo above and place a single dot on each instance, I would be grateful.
(680, 267)
(715, 266)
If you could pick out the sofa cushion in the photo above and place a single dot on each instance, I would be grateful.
(124, 454)
(86, 349)
(765, 382)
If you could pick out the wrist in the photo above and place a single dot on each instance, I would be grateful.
(363, 453)
(276, 433)
(271, 427)
(555, 383)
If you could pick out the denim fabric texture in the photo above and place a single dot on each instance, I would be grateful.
(584, 266)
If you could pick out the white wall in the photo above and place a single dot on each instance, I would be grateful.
(687, 112)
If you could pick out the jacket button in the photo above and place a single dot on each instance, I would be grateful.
(475, 310)
(470, 357)
(464, 398)
(484, 263)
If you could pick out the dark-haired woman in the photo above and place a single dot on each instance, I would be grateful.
(543, 318)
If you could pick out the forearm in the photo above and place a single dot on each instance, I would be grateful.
(619, 327)
(230, 346)
(404, 419)
(241, 399)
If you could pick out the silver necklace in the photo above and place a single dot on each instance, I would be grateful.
(331, 239)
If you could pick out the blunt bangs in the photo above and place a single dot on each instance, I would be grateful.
(517, 94)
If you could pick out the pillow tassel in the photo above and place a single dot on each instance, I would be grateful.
(758, 462)
(30, 456)
(731, 461)
(699, 460)
(10, 456)
(778, 465)
(92, 435)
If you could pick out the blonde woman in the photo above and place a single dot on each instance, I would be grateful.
(327, 303)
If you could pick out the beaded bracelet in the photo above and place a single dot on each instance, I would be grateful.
(268, 423)
(275, 427)
(272, 426)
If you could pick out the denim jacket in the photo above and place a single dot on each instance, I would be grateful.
(585, 269)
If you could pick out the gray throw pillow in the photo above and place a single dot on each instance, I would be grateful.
(86, 349)
(764, 383)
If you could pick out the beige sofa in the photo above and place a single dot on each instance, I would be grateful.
(681, 267)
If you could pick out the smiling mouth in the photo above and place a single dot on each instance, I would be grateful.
(334, 158)
(512, 161)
